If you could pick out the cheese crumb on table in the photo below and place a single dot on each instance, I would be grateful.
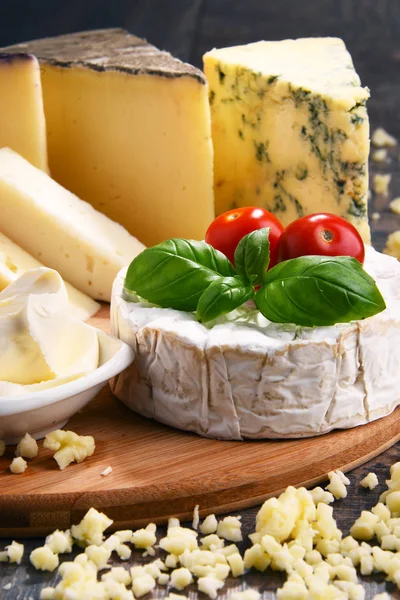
(69, 446)
(210, 585)
(209, 525)
(91, 529)
(380, 155)
(18, 465)
(13, 553)
(145, 538)
(337, 484)
(393, 245)
(394, 206)
(196, 518)
(370, 481)
(60, 542)
(44, 559)
(181, 578)
(27, 447)
(230, 528)
(381, 182)
(381, 138)
(375, 216)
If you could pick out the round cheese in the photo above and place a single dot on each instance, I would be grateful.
(245, 377)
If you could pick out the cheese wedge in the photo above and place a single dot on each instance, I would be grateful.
(14, 261)
(290, 129)
(59, 229)
(245, 377)
(22, 121)
(129, 131)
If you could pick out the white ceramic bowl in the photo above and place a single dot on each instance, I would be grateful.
(38, 413)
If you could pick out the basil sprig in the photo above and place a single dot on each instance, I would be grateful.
(319, 290)
(222, 296)
(309, 291)
(175, 273)
(252, 255)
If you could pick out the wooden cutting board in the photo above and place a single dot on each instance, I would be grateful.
(158, 472)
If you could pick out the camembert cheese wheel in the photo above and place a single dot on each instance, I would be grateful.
(245, 377)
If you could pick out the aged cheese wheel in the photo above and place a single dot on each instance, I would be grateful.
(246, 377)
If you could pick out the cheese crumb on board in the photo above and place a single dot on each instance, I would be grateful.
(13, 553)
(370, 481)
(106, 471)
(380, 155)
(18, 465)
(44, 559)
(27, 447)
(381, 182)
(381, 139)
(2, 447)
(392, 247)
(69, 446)
(394, 206)
(337, 484)
(209, 525)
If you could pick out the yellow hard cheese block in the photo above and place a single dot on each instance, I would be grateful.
(60, 230)
(290, 129)
(129, 131)
(14, 261)
(22, 121)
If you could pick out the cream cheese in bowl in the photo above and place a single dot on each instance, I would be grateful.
(41, 345)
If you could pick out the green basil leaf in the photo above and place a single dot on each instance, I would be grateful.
(176, 272)
(252, 255)
(319, 290)
(222, 296)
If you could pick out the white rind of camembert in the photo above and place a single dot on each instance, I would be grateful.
(245, 377)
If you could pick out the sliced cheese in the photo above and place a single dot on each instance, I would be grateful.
(14, 261)
(245, 377)
(59, 229)
(22, 121)
(290, 129)
(129, 131)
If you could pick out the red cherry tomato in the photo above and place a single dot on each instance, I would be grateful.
(226, 231)
(321, 234)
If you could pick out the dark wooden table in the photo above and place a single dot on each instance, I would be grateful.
(188, 28)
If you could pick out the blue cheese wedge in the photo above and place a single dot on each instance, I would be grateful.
(290, 129)
(245, 377)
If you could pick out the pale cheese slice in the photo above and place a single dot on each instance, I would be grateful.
(14, 261)
(245, 377)
(56, 227)
(22, 120)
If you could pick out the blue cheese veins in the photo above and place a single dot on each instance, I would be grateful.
(290, 129)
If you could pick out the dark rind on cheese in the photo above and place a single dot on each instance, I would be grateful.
(107, 50)
(10, 58)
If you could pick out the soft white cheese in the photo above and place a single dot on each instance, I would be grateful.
(245, 377)
(41, 345)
